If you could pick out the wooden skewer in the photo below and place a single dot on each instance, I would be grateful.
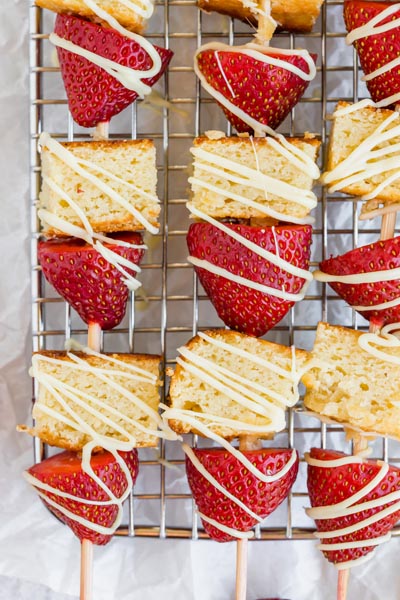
(86, 583)
(247, 442)
(86, 570)
(360, 443)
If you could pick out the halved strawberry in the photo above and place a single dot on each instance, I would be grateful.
(375, 51)
(260, 497)
(64, 473)
(93, 287)
(379, 256)
(332, 485)
(93, 94)
(241, 308)
(265, 92)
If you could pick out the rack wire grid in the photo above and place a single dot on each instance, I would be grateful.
(172, 306)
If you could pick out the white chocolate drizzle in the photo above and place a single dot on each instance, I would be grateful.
(259, 251)
(70, 399)
(371, 342)
(41, 489)
(352, 505)
(234, 172)
(367, 160)
(373, 27)
(131, 79)
(238, 388)
(253, 50)
(87, 170)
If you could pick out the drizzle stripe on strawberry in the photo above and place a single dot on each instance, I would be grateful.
(95, 95)
(91, 510)
(378, 47)
(379, 300)
(236, 480)
(257, 293)
(83, 277)
(356, 503)
(256, 87)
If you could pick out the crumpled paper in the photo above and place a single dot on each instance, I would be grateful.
(39, 557)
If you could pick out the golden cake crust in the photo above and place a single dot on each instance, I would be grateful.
(126, 17)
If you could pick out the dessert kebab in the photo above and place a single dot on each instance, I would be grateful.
(355, 501)
(250, 247)
(98, 407)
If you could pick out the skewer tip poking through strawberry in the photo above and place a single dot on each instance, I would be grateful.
(63, 472)
(94, 95)
(265, 92)
(260, 497)
(84, 278)
(240, 307)
(383, 255)
(376, 51)
(334, 484)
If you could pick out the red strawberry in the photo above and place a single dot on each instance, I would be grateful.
(94, 95)
(262, 498)
(375, 51)
(332, 485)
(267, 93)
(93, 287)
(379, 256)
(64, 473)
(240, 307)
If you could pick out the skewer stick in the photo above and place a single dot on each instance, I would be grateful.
(388, 225)
(361, 443)
(86, 570)
(102, 130)
(86, 585)
(247, 442)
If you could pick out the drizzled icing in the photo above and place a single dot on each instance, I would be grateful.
(41, 489)
(87, 170)
(371, 342)
(144, 8)
(352, 505)
(132, 79)
(68, 398)
(367, 160)
(373, 27)
(242, 390)
(234, 172)
(253, 50)
(269, 256)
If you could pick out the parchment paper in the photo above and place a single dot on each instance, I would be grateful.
(39, 558)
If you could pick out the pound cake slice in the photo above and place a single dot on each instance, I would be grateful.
(245, 177)
(130, 14)
(233, 384)
(354, 385)
(363, 154)
(112, 184)
(92, 396)
(290, 15)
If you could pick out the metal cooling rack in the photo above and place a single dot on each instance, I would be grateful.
(175, 307)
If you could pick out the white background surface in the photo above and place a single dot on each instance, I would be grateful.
(39, 558)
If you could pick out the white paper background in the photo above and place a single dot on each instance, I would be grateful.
(39, 558)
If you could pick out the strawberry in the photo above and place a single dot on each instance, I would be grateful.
(375, 51)
(265, 92)
(241, 308)
(261, 498)
(64, 473)
(94, 95)
(93, 287)
(334, 484)
(379, 256)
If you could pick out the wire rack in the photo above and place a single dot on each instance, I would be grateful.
(173, 306)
